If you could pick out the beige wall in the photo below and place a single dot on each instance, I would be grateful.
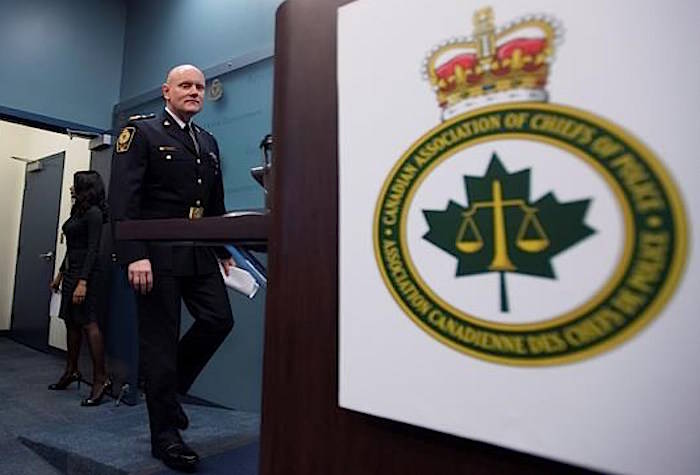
(11, 189)
(26, 142)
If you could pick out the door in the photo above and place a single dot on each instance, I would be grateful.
(101, 162)
(37, 251)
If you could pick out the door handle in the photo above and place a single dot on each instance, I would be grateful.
(47, 255)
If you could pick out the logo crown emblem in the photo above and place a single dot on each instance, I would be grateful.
(494, 65)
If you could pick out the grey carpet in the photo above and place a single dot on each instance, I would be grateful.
(47, 432)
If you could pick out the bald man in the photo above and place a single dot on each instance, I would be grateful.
(166, 166)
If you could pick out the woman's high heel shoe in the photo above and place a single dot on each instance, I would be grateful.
(65, 381)
(97, 399)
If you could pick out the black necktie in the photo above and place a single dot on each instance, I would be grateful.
(188, 130)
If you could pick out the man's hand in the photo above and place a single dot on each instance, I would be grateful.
(79, 292)
(227, 264)
(141, 276)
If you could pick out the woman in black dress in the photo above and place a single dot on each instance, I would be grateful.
(80, 276)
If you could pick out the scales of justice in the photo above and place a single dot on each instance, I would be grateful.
(531, 237)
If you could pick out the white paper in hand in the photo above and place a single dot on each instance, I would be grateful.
(240, 280)
(55, 304)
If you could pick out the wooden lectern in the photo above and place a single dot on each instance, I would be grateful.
(247, 230)
(304, 432)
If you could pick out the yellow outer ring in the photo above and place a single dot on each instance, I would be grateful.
(658, 301)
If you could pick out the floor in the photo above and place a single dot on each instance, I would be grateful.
(48, 432)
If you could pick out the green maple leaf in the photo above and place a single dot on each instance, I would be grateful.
(501, 231)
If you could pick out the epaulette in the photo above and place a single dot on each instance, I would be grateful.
(141, 116)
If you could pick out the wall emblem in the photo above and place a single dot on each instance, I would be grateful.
(216, 90)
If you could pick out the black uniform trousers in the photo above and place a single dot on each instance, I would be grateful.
(170, 366)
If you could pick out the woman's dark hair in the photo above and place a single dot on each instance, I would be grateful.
(89, 190)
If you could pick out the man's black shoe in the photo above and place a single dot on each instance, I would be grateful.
(181, 420)
(176, 455)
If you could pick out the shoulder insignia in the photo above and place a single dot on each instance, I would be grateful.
(141, 116)
(125, 138)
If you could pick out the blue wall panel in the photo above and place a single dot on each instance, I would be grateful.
(62, 60)
(161, 34)
(239, 120)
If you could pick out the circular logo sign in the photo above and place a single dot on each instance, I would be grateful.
(529, 234)
(216, 90)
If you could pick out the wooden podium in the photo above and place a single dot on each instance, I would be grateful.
(304, 432)
(248, 230)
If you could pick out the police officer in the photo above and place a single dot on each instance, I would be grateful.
(165, 166)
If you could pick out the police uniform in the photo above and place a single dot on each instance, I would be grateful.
(159, 172)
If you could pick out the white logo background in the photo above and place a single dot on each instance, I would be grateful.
(631, 409)
(581, 270)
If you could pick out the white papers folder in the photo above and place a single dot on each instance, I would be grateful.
(240, 280)
(55, 304)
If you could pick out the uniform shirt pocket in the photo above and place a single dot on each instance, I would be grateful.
(169, 153)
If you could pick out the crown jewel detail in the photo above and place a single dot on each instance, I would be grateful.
(510, 63)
